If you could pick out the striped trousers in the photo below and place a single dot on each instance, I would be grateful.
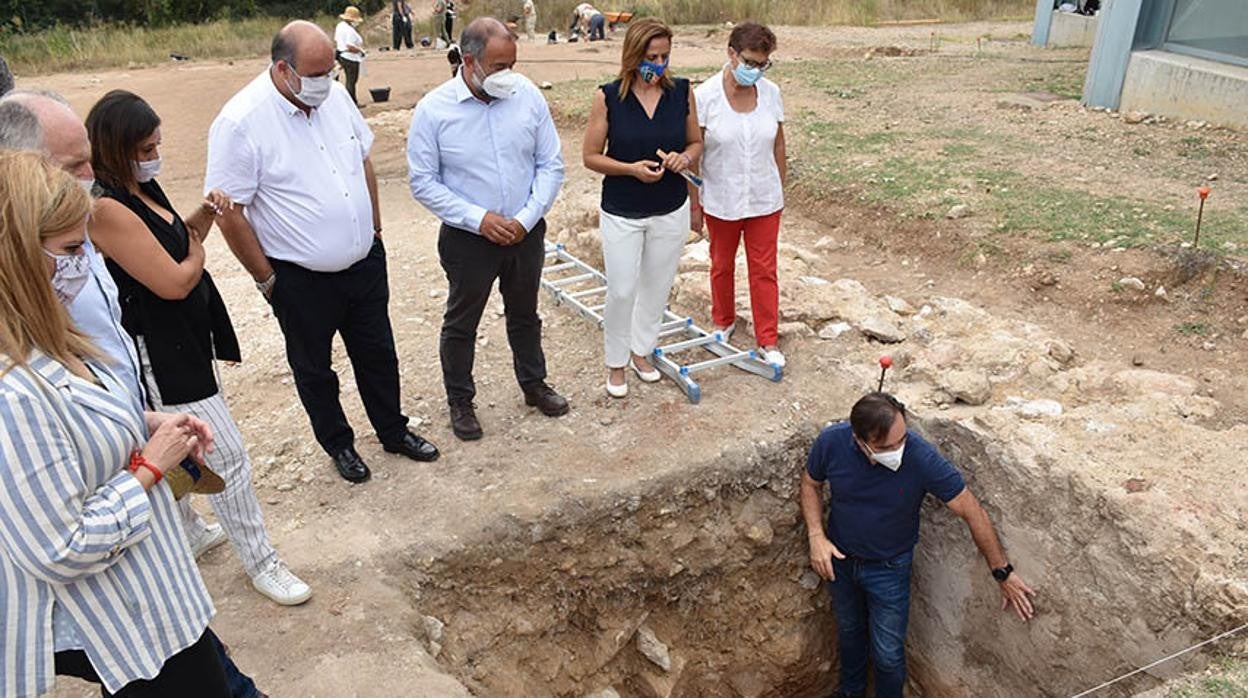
(237, 507)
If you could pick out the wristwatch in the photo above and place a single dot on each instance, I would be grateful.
(266, 287)
(1002, 573)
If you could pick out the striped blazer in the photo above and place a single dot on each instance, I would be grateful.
(77, 529)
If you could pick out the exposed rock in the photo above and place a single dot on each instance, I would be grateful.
(795, 329)
(760, 533)
(749, 684)
(608, 692)
(697, 257)
(815, 301)
(833, 330)
(790, 250)
(1134, 117)
(969, 387)
(1141, 381)
(653, 685)
(824, 243)
(958, 211)
(1132, 283)
(1160, 292)
(1060, 352)
(809, 581)
(899, 305)
(652, 648)
(1034, 408)
(882, 329)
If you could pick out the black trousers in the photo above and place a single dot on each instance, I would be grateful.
(195, 672)
(312, 306)
(401, 30)
(472, 264)
(351, 71)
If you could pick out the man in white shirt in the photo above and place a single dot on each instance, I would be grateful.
(483, 155)
(291, 150)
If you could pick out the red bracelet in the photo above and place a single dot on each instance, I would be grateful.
(138, 461)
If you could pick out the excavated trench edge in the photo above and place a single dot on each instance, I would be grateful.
(713, 562)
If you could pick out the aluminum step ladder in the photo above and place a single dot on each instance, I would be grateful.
(576, 284)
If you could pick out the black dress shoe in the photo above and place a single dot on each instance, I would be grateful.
(544, 398)
(350, 466)
(414, 447)
(464, 422)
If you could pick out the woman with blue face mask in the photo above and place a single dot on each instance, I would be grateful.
(643, 132)
(178, 321)
(743, 171)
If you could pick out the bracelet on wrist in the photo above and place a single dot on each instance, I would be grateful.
(137, 462)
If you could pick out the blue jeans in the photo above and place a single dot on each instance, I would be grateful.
(872, 602)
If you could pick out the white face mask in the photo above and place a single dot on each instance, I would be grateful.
(889, 459)
(146, 170)
(315, 90)
(72, 272)
(500, 85)
(88, 185)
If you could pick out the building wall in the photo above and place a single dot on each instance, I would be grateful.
(1186, 88)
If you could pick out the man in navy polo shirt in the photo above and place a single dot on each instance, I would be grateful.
(878, 473)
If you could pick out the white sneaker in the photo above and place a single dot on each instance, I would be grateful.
(651, 376)
(279, 584)
(617, 390)
(211, 537)
(773, 357)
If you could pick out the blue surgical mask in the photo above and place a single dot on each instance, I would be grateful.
(746, 76)
(651, 71)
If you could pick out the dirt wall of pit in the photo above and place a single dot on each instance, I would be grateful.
(713, 565)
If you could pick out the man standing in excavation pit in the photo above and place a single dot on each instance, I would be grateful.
(879, 473)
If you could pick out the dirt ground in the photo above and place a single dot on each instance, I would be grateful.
(357, 636)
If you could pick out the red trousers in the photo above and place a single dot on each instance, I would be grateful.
(761, 234)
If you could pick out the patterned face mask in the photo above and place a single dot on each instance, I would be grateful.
(651, 72)
(72, 272)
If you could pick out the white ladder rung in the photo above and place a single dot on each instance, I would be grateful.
(587, 292)
(560, 267)
(690, 343)
(572, 280)
(720, 361)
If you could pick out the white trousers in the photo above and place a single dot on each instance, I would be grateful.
(237, 508)
(641, 256)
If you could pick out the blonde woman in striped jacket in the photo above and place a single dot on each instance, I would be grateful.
(95, 574)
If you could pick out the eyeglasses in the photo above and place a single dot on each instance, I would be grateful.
(753, 64)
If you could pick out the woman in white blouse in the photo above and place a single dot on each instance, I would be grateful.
(743, 170)
(95, 573)
(349, 47)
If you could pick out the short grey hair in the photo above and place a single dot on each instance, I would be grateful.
(46, 94)
(19, 127)
(6, 78)
(478, 33)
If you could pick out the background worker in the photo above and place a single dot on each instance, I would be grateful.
(349, 47)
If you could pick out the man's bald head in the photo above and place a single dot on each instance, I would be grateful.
(303, 46)
(479, 33)
(64, 136)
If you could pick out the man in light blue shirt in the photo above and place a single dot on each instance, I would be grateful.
(484, 157)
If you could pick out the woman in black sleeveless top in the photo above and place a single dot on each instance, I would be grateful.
(179, 323)
(643, 131)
